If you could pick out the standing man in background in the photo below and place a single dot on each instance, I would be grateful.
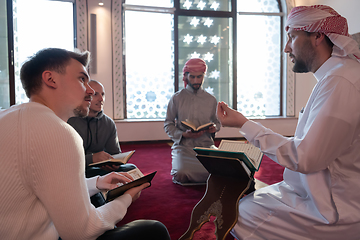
(194, 104)
(319, 197)
(99, 135)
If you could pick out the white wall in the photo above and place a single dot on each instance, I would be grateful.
(129, 130)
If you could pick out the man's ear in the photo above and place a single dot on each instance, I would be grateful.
(319, 38)
(48, 79)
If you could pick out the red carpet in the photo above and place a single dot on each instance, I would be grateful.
(170, 203)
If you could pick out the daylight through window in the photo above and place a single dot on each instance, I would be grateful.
(242, 48)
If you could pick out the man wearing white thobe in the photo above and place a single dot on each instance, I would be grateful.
(319, 197)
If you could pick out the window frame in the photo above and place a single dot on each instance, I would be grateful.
(81, 42)
(10, 36)
(287, 77)
(201, 13)
(11, 43)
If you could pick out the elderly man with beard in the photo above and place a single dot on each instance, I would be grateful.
(45, 192)
(319, 197)
(194, 104)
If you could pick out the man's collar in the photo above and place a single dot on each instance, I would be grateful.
(98, 115)
(328, 65)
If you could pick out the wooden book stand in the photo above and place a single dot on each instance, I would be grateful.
(227, 183)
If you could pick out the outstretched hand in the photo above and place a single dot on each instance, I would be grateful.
(229, 117)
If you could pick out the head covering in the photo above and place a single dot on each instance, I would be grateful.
(324, 19)
(194, 65)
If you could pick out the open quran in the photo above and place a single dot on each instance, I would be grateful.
(250, 155)
(118, 159)
(194, 128)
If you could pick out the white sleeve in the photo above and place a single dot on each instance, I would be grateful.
(328, 130)
(59, 182)
(91, 185)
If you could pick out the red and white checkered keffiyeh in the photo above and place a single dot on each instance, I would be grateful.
(324, 19)
(194, 65)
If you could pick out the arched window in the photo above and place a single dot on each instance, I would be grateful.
(240, 40)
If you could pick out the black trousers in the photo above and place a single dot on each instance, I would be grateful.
(94, 171)
(137, 230)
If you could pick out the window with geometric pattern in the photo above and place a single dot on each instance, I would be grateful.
(239, 40)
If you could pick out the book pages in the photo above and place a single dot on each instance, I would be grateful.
(253, 153)
(135, 173)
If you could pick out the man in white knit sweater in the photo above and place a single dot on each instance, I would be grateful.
(45, 192)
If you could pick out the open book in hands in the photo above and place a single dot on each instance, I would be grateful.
(243, 151)
(118, 159)
(194, 128)
(139, 179)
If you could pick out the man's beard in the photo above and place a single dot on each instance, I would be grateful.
(81, 111)
(301, 65)
(195, 87)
